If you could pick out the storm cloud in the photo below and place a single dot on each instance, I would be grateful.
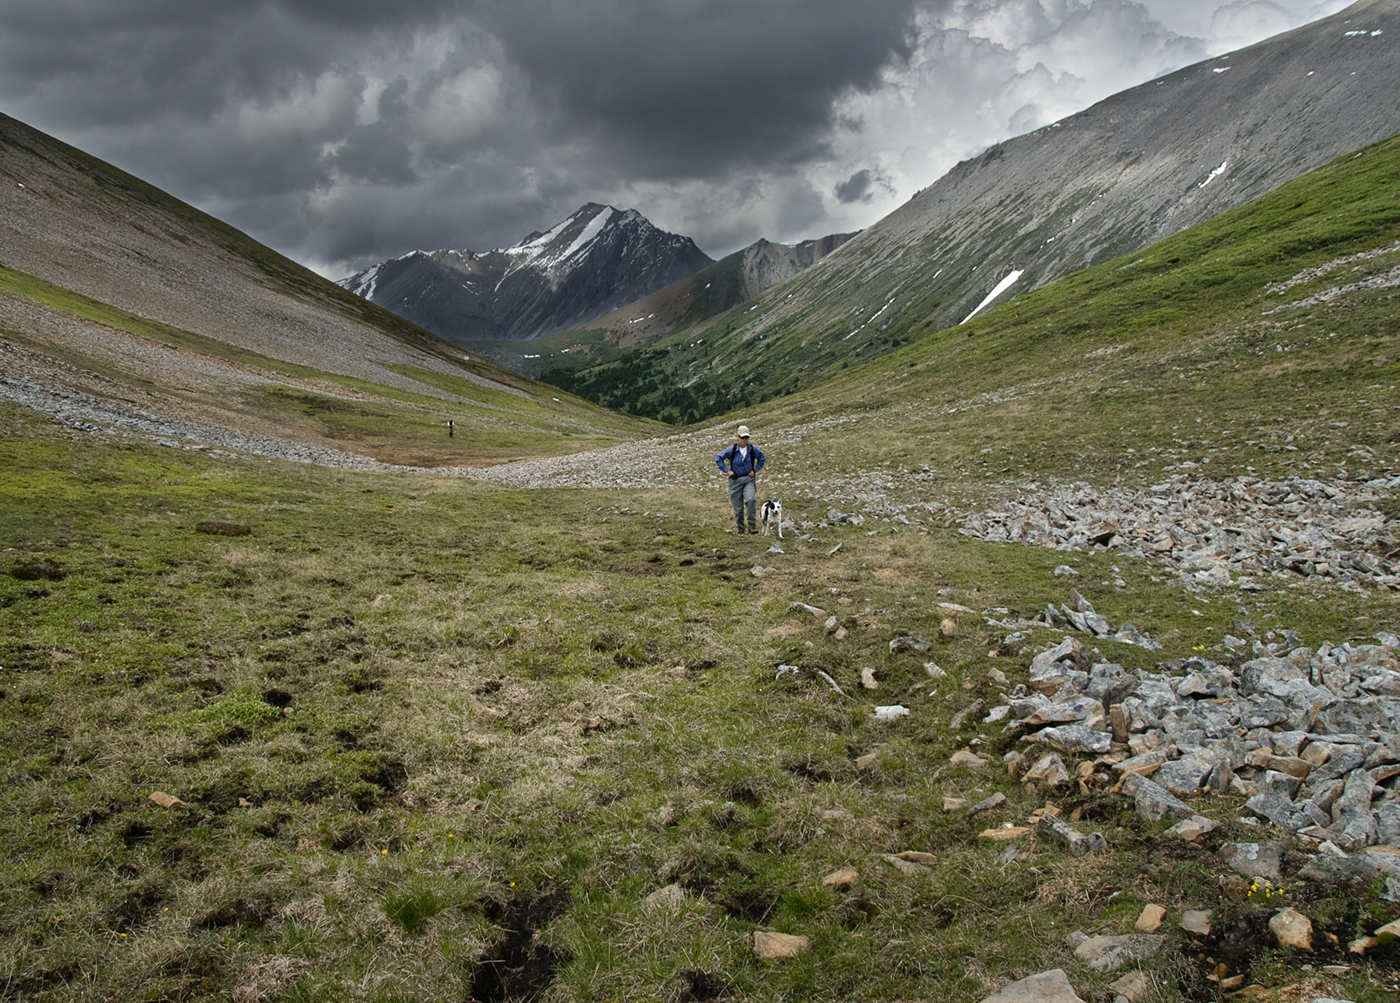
(346, 132)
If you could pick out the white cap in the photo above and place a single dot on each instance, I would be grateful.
(743, 431)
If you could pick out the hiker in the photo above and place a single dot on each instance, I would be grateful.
(744, 462)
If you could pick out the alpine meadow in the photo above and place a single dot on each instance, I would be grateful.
(1074, 675)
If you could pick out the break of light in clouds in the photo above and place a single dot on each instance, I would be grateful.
(346, 132)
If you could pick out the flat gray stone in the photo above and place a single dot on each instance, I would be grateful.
(1047, 987)
(1196, 921)
(1108, 954)
(1191, 828)
(1076, 738)
(1359, 868)
(1183, 777)
(1356, 793)
(1255, 860)
(1278, 810)
(1152, 801)
(1133, 986)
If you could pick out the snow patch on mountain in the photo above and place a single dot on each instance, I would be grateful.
(1001, 287)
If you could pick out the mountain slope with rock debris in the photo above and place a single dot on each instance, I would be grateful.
(1141, 165)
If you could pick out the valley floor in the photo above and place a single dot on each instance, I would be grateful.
(423, 737)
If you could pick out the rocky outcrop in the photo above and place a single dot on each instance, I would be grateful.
(1215, 532)
(1309, 737)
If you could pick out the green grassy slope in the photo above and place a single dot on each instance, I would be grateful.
(1176, 353)
(106, 231)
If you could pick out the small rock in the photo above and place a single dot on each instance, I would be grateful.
(970, 711)
(867, 678)
(1108, 954)
(908, 643)
(1065, 569)
(1191, 828)
(954, 804)
(918, 857)
(1013, 853)
(1278, 810)
(1196, 921)
(987, 804)
(777, 946)
(900, 864)
(1292, 765)
(1076, 738)
(1145, 764)
(890, 712)
(1363, 944)
(831, 624)
(165, 800)
(1151, 919)
(1048, 771)
(1256, 860)
(1004, 833)
(966, 757)
(867, 761)
(1073, 840)
(841, 878)
(934, 671)
(668, 897)
(1391, 929)
(1151, 801)
(947, 629)
(1183, 777)
(1134, 986)
(1292, 929)
(1047, 987)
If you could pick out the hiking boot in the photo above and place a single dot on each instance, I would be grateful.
(753, 528)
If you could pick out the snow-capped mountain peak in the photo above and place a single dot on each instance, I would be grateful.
(594, 261)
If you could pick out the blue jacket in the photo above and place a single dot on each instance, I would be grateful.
(741, 466)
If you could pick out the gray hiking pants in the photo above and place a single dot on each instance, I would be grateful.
(743, 493)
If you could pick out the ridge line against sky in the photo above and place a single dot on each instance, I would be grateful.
(344, 132)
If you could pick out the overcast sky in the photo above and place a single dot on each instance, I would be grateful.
(342, 132)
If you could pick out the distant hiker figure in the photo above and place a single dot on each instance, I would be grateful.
(449, 429)
(744, 461)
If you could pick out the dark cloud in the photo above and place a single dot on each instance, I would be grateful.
(856, 188)
(688, 87)
(346, 131)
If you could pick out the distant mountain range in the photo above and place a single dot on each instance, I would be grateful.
(688, 304)
(734, 279)
(597, 260)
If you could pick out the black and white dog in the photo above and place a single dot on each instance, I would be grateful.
(772, 515)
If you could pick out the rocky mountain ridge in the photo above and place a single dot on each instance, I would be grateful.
(1141, 165)
(596, 260)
